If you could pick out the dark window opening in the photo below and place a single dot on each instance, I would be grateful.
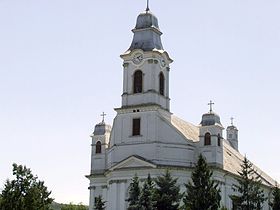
(136, 127)
(98, 147)
(137, 82)
(207, 139)
(161, 83)
(219, 140)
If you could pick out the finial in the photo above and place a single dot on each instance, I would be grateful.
(210, 104)
(103, 115)
(147, 9)
(231, 120)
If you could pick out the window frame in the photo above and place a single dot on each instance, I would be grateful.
(161, 83)
(207, 139)
(138, 81)
(98, 147)
(136, 126)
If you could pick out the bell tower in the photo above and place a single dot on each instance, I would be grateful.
(146, 66)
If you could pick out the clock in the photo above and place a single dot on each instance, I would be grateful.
(162, 62)
(137, 58)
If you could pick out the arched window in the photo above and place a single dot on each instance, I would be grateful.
(137, 82)
(219, 140)
(207, 139)
(161, 83)
(98, 147)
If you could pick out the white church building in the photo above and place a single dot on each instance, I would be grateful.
(147, 138)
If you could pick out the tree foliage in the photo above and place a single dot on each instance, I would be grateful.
(202, 192)
(167, 193)
(25, 192)
(99, 203)
(134, 194)
(146, 195)
(72, 206)
(275, 204)
(250, 195)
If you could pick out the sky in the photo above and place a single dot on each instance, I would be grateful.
(60, 69)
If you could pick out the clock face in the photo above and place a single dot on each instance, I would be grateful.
(137, 58)
(162, 62)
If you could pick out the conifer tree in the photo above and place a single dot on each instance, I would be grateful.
(202, 192)
(251, 196)
(167, 193)
(25, 192)
(275, 204)
(146, 195)
(134, 194)
(99, 203)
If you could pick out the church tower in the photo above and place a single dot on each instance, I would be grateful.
(232, 135)
(146, 66)
(211, 138)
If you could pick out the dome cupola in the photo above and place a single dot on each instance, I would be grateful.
(210, 118)
(146, 33)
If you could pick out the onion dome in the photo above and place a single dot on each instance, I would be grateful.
(146, 33)
(210, 118)
(101, 129)
(146, 20)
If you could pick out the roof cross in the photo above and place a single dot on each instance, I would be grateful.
(147, 9)
(103, 115)
(211, 104)
(231, 120)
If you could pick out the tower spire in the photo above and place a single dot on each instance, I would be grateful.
(211, 104)
(147, 9)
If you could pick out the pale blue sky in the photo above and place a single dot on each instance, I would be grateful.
(60, 68)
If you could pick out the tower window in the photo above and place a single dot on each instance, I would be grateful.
(98, 147)
(137, 82)
(136, 127)
(219, 140)
(207, 139)
(161, 83)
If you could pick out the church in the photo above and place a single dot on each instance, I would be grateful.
(146, 138)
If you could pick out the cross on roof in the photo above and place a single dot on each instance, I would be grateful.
(103, 115)
(147, 9)
(211, 104)
(231, 120)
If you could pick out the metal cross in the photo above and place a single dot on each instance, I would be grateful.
(103, 115)
(210, 104)
(231, 119)
(147, 9)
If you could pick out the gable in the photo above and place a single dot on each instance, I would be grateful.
(133, 162)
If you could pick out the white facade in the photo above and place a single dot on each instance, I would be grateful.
(146, 138)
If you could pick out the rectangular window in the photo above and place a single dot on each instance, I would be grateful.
(136, 127)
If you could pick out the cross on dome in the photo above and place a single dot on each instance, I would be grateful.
(147, 9)
(211, 105)
(231, 120)
(103, 115)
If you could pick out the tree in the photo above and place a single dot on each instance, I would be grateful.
(146, 195)
(25, 192)
(99, 203)
(166, 194)
(134, 194)
(72, 206)
(250, 195)
(202, 192)
(275, 204)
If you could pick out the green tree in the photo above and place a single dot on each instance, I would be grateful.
(25, 192)
(275, 204)
(203, 191)
(250, 195)
(99, 203)
(134, 194)
(146, 195)
(72, 206)
(167, 193)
